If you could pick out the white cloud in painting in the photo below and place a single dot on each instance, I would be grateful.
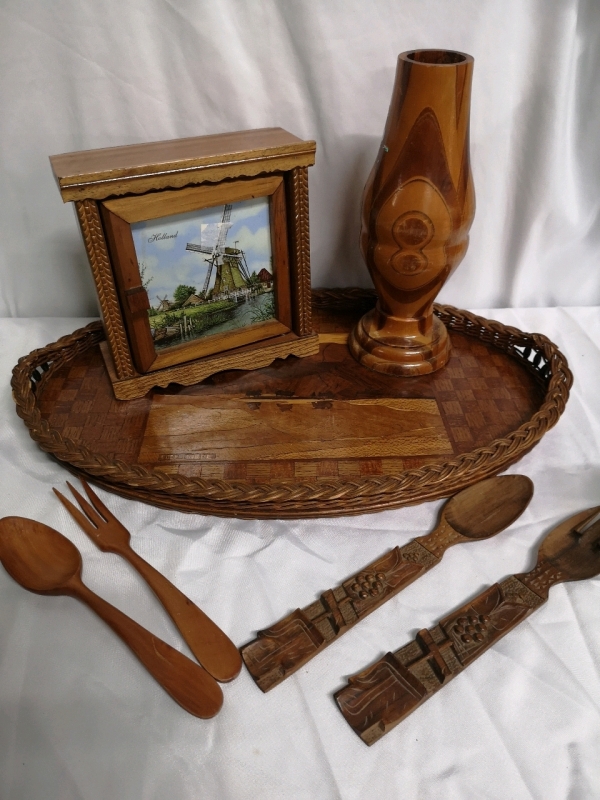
(248, 209)
(255, 245)
(150, 262)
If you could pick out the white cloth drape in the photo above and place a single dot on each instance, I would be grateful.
(78, 75)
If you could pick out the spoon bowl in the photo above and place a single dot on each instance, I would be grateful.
(574, 547)
(488, 507)
(38, 557)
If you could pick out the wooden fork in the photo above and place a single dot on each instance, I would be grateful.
(211, 646)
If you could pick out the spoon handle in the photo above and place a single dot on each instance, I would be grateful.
(282, 649)
(378, 698)
(187, 683)
(211, 646)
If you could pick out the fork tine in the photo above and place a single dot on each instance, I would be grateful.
(94, 517)
(97, 503)
(80, 518)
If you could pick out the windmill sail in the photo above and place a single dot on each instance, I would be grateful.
(232, 271)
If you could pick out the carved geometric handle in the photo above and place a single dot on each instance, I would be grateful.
(381, 696)
(283, 648)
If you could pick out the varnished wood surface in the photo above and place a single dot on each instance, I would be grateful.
(248, 356)
(156, 205)
(174, 163)
(418, 206)
(227, 428)
(126, 271)
(209, 644)
(384, 694)
(44, 561)
(478, 512)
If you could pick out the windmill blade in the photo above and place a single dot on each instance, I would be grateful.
(220, 246)
(199, 248)
(211, 264)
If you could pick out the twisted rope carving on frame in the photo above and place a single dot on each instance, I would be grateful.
(93, 236)
(301, 248)
(289, 499)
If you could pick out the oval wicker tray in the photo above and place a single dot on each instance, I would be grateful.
(498, 374)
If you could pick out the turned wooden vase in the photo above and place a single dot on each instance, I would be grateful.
(418, 206)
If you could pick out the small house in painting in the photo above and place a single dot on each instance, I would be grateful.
(193, 300)
(265, 277)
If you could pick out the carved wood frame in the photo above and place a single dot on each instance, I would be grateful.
(275, 157)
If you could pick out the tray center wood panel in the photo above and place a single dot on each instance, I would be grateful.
(222, 428)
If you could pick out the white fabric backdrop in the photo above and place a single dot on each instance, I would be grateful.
(80, 74)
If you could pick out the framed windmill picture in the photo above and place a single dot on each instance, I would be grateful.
(199, 251)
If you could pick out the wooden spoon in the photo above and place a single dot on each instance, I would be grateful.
(42, 560)
(478, 512)
(381, 696)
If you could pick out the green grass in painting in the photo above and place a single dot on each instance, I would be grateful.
(165, 318)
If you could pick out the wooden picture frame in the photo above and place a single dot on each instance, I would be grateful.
(122, 193)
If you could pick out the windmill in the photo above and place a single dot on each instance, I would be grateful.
(163, 303)
(230, 263)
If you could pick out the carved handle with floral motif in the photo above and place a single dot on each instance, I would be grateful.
(381, 696)
(475, 513)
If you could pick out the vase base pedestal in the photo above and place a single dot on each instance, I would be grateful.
(373, 346)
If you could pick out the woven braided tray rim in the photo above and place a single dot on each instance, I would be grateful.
(292, 498)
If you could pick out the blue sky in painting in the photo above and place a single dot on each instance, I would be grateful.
(169, 264)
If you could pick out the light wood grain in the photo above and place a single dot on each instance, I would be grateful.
(175, 163)
(161, 180)
(252, 356)
(181, 201)
(230, 429)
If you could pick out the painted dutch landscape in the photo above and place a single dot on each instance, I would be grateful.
(207, 272)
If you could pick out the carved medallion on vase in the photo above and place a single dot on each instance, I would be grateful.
(418, 206)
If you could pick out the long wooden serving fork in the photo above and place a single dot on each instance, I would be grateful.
(381, 696)
(211, 646)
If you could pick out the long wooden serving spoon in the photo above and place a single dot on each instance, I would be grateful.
(381, 696)
(211, 646)
(478, 512)
(44, 561)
